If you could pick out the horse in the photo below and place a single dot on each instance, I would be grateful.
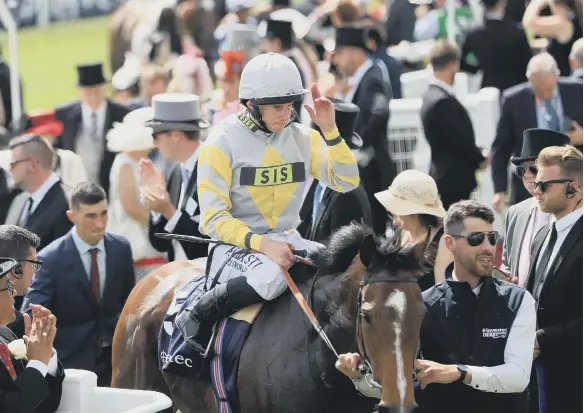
(366, 297)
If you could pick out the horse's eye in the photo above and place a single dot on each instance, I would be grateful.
(366, 317)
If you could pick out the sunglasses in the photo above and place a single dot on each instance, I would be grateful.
(36, 265)
(543, 185)
(474, 239)
(14, 163)
(521, 170)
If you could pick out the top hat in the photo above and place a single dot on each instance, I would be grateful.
(534, 140)
(177, 111)
(285, 3)
(352, 36)
(90, 75)
(43, 122)
(241, 37)
(279, 29)
(346, 118)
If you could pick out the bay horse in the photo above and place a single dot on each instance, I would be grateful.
(364, 298)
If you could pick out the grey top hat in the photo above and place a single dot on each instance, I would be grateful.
(177, 111)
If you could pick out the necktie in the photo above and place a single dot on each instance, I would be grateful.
(25, 214)
(5, 356)
(95, 284)
(540, 271)
(316, 203)
(553, 120)
(94, 125)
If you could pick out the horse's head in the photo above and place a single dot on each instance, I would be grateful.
(390, 313)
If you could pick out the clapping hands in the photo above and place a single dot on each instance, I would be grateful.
(39, 334)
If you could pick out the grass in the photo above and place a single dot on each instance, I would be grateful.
(48, 57)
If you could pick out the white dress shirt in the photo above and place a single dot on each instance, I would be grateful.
(513, 375)
(39, 194)
(354, 80)
(85, 254)
(563, 227)
(43, 368)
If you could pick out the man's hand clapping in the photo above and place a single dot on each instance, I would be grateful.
(40, 334)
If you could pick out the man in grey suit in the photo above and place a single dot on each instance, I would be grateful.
(525, 219)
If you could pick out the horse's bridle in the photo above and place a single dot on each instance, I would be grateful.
(366, 369)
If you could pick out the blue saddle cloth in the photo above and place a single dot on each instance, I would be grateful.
(177, 357)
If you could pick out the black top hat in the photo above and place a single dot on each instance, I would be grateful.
(280, 29)
(285, 3)
(534, 140)
(90, 75)
(346, 118)
(352, 36)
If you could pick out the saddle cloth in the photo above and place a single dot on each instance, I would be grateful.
(177, 357)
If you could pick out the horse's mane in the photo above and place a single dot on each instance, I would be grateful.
(392, 252)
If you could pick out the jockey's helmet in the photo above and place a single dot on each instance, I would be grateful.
(271, 79)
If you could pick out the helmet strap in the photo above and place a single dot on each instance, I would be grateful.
(256, 113)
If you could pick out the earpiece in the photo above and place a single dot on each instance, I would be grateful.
(17, 270)
(570, 191)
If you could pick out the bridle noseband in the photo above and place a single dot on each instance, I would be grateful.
(366, 369)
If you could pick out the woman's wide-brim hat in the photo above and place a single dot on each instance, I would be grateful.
(131, 135)
(412, 192)
(535, 140)
(177, 111)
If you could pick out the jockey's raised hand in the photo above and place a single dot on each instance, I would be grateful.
(323, 112)
(277, 251)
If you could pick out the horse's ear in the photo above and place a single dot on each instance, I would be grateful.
(368, 252)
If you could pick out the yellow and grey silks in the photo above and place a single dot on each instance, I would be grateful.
(251, 183)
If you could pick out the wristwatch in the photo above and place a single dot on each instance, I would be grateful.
(463, 370)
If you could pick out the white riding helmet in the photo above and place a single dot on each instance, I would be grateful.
(270, 79)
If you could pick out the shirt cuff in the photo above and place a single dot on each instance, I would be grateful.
(480, 377)
(53, 364)
(171, 224)
(38, 365)
(155, 217)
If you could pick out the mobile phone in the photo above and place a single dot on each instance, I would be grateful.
(567, 124)
(497, 273)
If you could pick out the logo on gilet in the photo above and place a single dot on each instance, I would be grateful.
(495, 332)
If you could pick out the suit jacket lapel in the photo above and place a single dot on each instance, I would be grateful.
(306, 209)
(45, 203)
(326, 197)
(77, 268)
(15, 208)
(174, 183)
(191, 188)
(75, 120)
(109, 268)
(573, 236)
(536, 249)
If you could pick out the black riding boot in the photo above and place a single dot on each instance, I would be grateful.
(196, 323)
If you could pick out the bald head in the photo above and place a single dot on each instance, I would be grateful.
(542, 63)
(576, 54)
(543, 74)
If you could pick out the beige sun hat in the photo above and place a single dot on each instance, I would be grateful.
(412, 192)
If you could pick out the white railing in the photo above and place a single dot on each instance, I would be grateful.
(81, 395)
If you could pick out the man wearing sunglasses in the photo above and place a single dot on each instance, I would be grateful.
(525, 219)
(476, 337)
(33, 385)
(21, 245)
(555, 280)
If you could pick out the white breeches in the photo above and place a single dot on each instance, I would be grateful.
(263, 274)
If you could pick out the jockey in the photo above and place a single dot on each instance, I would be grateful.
(252, 172)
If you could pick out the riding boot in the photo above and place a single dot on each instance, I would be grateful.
(196, 322)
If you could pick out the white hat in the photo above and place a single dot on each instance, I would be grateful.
(412, 192)
(271, 78)
(234, 6)
(131, 134)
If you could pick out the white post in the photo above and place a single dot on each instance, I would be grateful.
(451, 28)
(10, 25)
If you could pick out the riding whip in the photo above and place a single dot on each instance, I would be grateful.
(190, 238)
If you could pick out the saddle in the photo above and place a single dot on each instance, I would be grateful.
(177, 357)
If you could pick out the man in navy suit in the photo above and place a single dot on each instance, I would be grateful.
(85, 280)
